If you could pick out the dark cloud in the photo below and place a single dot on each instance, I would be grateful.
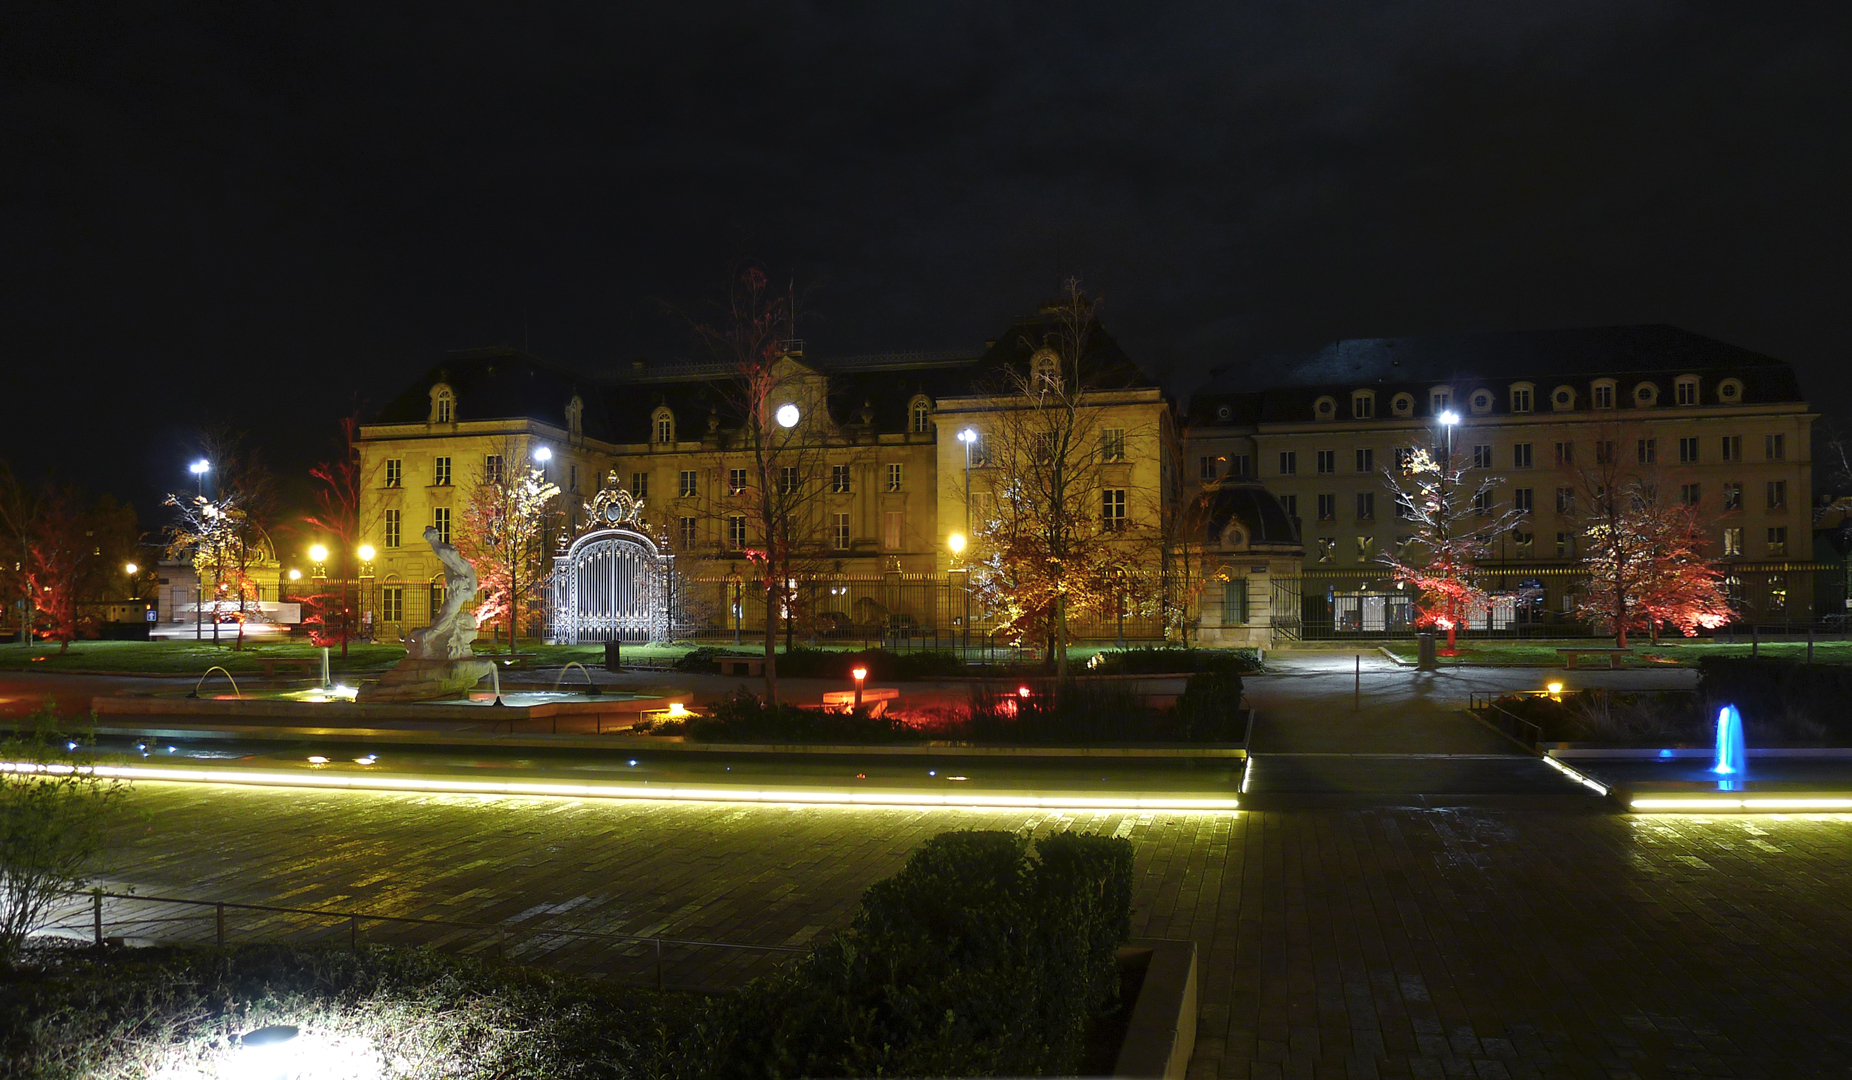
(253, 214)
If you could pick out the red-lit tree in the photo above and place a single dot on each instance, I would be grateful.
(503, 536)
(1454, 523)
(1646, 565)
(78, 545)
(337, 494)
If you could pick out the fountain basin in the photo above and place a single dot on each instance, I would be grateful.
(1775, 780)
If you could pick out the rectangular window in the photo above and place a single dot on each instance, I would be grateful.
(392, 603)
(736, 531)
(1327, 549)
(1775, 447)
(1604, 453)
(1235, 602)
(1327, 508)
(1687, 392)
(1777, 539)
(688, 533)
(1112, 509)
(639, 485)
(440, 472)
(736, 481)
(435, 598)
(1732, 496)
(1289, 463)
(1440, 400)
(1688, 451)
(1526, 543)
(1240, 465)
(1604, 397)
(1689, 494)
(839, 532)
(392, 529)
(1366, 547)
(1521, 498)
(1327, 461)
(445, 410)
(1732, 541)
(787, 480)
(1205, 468)
(440, 520)
(686, 484)
(1565, 501)
(891, 526)
(1290, 504)
(1565, 545)
(1520, 455)
(1777, 494)
(394, 470)
(1732, 448)
(922, 417)
(895, 472)
(1112, 444)
(1520, 399)
(1482, 457)
(1362, 406)
(839, 479)
(1366, 506)
(1565, 453)
(1482, 503)
(572, 478)
(492, 469)
(1777, 594)
(1403, 455)
(1647, 451)
(665, 429)
(1366, 461)
(1404, 507)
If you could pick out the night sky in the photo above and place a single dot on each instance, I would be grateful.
(256, 215)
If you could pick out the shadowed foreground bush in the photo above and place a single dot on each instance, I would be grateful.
(1783, 702)
(743, 718)
(974, 960)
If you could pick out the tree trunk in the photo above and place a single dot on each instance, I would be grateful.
(1060, 639)
(771, 643)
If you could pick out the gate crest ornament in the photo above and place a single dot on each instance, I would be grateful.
(610, 580)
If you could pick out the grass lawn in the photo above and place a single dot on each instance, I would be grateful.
(1680, 653)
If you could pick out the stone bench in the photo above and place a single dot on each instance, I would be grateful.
(874, 699)
(751, 666)
(1569, 656)
(300, 665)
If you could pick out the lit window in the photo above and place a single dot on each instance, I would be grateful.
(1327, 549)
(391, 529)
(440, 472)
(1112, 444)
(688, 533)
(1112, 509)
(1733, 541)
(1777, 593)
(1525, 541)
(894, 473)
(1366, 547)
(394, 470)
(839, 479)
(839, 532)
(686, 484)
(736, 531)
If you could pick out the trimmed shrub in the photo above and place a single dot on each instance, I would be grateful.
(974, 960)
(1209, 709)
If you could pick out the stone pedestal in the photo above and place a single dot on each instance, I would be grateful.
(426, 680)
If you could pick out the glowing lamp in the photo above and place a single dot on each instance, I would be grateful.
(677, 710)
(295, 575)
(1450, 418)
(543, 454)
(1555, 688)
(200, 467)
(266, 1053)
(131, 569)
(957, 543)
(1022, 691)
(367, 552)
(318, 553)
(860, 673)
(967, 436)
(787, 415)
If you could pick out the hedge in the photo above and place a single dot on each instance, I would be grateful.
(974, 960)
(1794, 702)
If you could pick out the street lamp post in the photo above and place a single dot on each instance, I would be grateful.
(1448, 421)
(968, 436)
(199, 469)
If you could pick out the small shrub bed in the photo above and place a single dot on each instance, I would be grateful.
(1209, 711)
(1611, 717)
(975, 960)
(1173, 661)
(1782, 701)
(744, 718)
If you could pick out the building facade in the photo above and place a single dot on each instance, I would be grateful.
(892, 458)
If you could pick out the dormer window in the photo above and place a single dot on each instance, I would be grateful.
(1482, 401)
(1363, 405)
(1046, 365)
(1730, 390)
(1685, 390)
(1440, 399)
(921, 411)
(443, 404)
(1603, 391)
(1325, 408)
(1646, 394)
(1402, 405)
(1224, 413)
(665, 427)
(1521, 394)
(575, 416)
(1562, 399)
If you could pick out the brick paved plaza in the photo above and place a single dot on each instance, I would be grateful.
(1335, 942)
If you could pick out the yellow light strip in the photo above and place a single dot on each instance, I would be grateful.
(1725, 802)
(438, 785)
(1596, 786)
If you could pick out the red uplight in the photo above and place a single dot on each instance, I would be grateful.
(860, 673)
(1023, 690)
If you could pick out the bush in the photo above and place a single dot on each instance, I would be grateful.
(743, 718)
(1782, 701)
(1604, 716)
(829, 664)
(974, 960)
(1174, 661)
(1209, 709)
(1107, 712)
(160, 1011)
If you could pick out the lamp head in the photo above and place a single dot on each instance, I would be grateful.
(295, 575)
(956, 542)
(860, 673)
(199, 467)
(787, 415)
(543, 454)
(318, 553)
(131, 569)
(367, 552)
(1449, 418)
(967, 436)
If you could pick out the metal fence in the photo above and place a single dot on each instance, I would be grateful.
(664, 962)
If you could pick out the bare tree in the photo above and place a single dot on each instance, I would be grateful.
(337, 494)
(1455, 521)
(78, 544)
(1048, 547)
(504, 534)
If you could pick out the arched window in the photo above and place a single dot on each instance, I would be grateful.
(1730, 390)
(921, 412)
(665, 427)
(1646, 394)
(575, 416)
(1402, 405)
(1440, 399)
(1685, 390)
(1562, 399)
(1325, 408)
(1522, 394)
(443, 404)
(1362, 404)
(1482, 401)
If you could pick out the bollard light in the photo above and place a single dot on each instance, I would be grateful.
(861, 674)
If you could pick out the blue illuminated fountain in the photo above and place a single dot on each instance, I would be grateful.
(1732, 758)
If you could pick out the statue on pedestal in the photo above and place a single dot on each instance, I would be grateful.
(438, 661)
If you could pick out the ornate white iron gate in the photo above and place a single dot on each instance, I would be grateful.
(610, 585)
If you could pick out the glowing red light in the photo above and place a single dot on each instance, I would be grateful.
(860, 673)
(1023, 691)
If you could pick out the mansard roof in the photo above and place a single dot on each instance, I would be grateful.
(1256, 508)
(493, 384)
